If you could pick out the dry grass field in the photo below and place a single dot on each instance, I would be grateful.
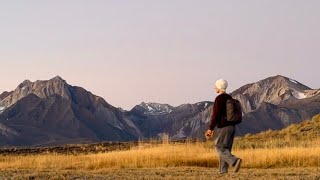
(167, 155)
(166, 161)
(268, 155)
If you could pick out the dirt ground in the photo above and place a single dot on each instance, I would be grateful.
(164, 173)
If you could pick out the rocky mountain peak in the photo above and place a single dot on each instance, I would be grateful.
(156, 108)
(41, 88)
(274, 90)
(58, 79)
(55, 111)
(285, 81)
(24, 83)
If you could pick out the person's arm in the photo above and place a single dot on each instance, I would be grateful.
(216, 110)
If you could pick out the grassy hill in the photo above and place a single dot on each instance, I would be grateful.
(304, 134)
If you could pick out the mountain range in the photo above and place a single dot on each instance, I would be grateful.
(52, 112)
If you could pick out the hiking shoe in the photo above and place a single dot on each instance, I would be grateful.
(237, 165)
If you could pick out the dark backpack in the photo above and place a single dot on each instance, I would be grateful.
(233, 111)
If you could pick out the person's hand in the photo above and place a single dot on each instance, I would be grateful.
(209, 134)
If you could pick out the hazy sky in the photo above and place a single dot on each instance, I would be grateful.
(167, 51)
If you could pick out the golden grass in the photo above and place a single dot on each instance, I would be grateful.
(305, 134)
(167, 155)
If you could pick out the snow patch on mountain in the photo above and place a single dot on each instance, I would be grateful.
(2, 109)
(156, 109)
(150, 108)
(299, 95)
(294, 81)
(206, 105)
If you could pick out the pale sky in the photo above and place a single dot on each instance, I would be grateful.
(166, 51)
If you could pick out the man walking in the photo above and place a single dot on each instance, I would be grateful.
(226, 130)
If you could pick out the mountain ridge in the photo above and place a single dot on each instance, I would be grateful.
(40, 112)
(35, 110)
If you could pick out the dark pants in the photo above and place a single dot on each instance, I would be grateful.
(223, 143)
